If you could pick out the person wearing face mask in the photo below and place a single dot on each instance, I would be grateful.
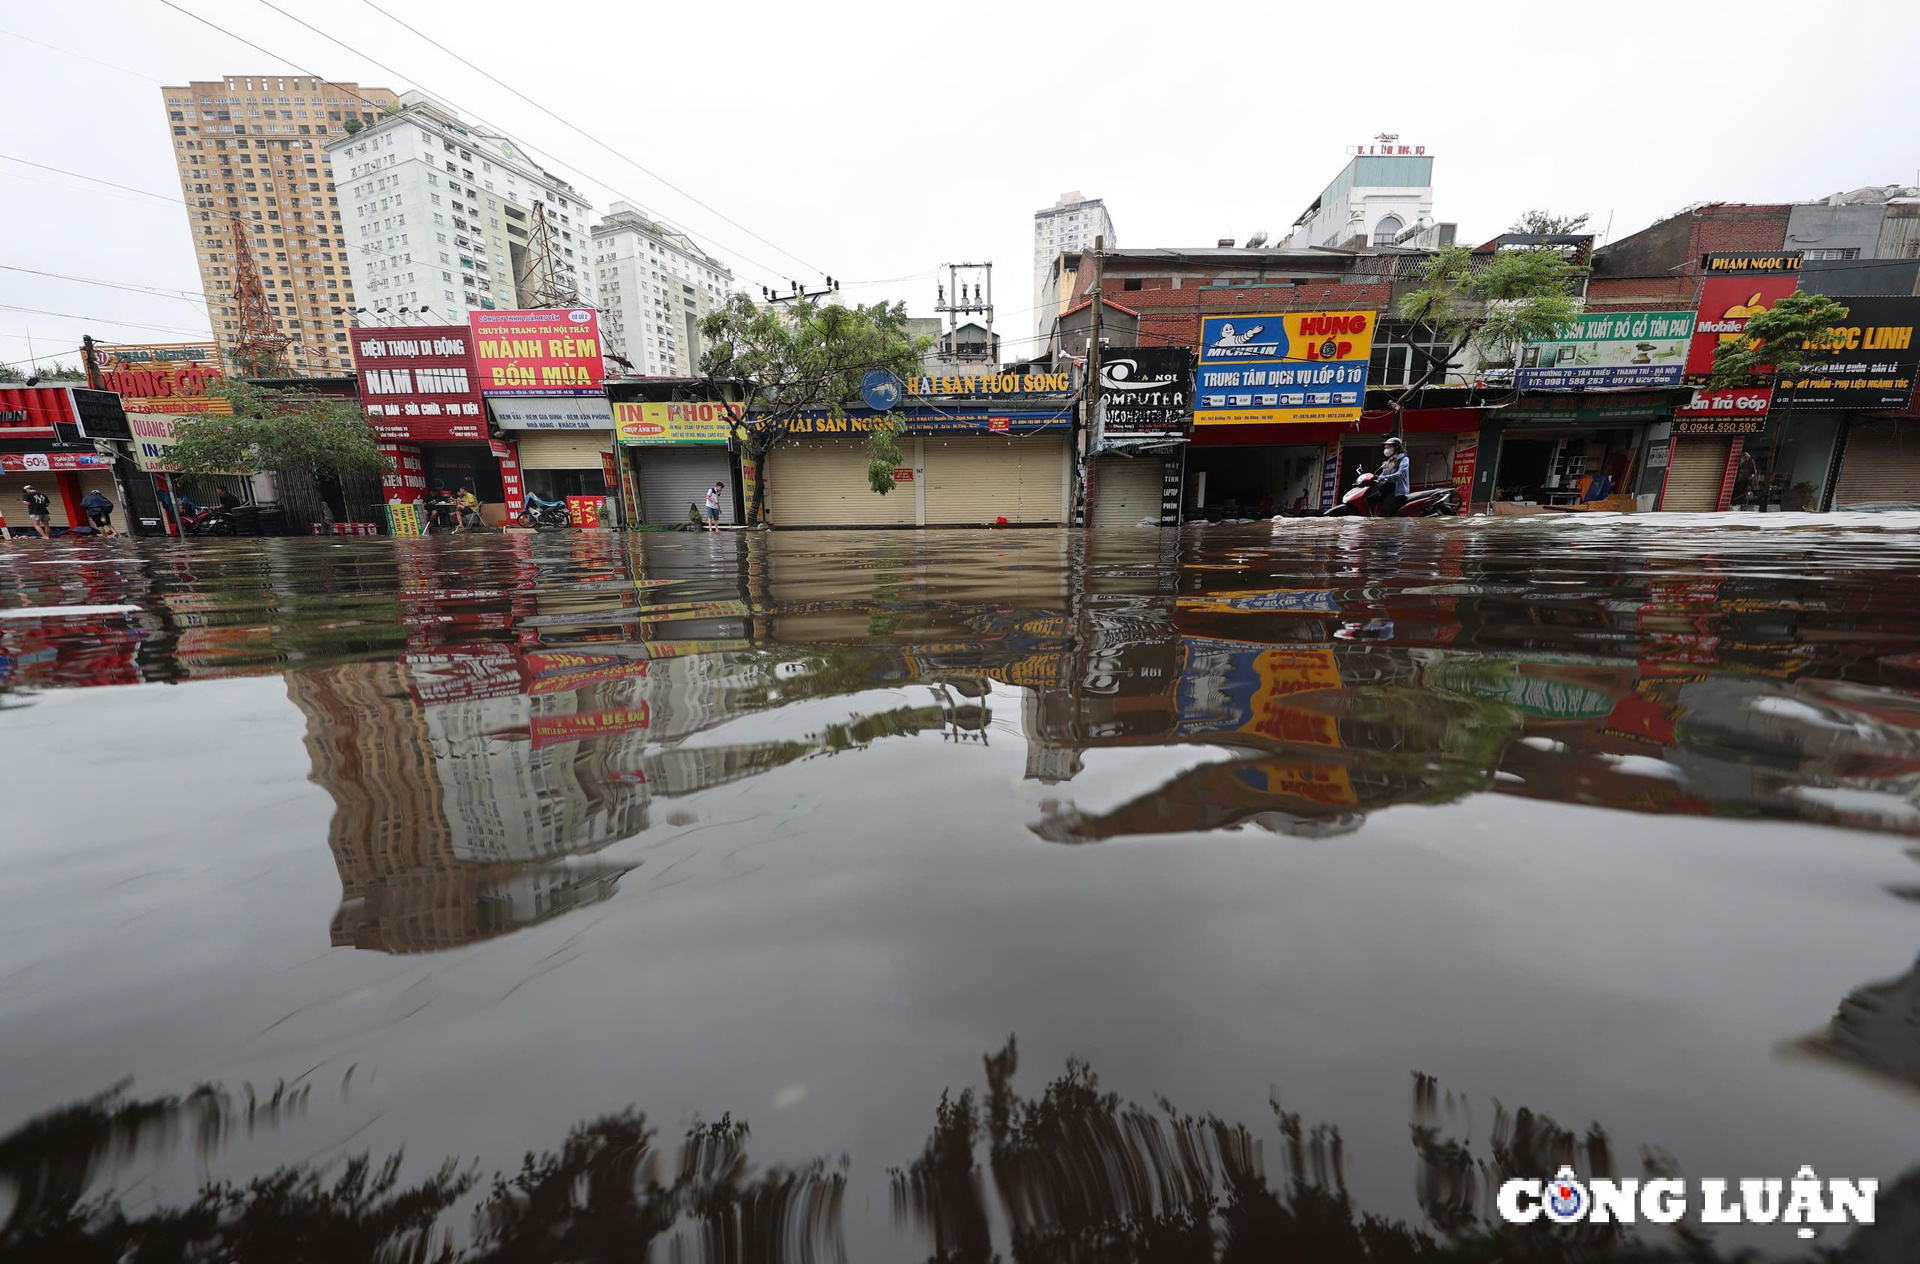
(1394, 482)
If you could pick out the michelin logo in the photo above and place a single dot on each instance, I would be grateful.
(1231, 344)
(1806, 1200)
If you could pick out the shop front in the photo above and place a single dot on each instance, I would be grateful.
(1547, 451)
(1259, 471)
(418, 385)
(1139, 435)
(565, 443)
(966, 462)
(43, 445)
(674, 453)
(1879, 462)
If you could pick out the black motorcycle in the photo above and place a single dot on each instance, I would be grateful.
(213, 520)
(545, 516)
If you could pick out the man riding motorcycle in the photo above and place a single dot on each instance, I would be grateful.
(1394, 482)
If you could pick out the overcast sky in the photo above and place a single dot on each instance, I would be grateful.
(878, 142)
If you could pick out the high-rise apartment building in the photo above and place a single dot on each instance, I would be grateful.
(1069, 224)
(439, 216)
(255, 147)
(655, 288)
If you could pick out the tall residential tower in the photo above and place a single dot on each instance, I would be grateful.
(253, 147)
(1069, 224)
(656, 286)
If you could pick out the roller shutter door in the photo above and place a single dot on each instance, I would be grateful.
(1694, 474)
(1126, 490)
(14, 510)
(565, 450)
(673, 478)
(978, 479)
(824, 484)
(1881, 463)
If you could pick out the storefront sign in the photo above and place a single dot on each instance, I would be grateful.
(1609, 349)
(933, 421)
(1726, 304)
(153, 438)
(403, 520)
(417, 383)
(1296, 367)
(1748, 262)
(1466, 454)
(406, 481)
(1145, 392)
(989, 384)
(1330, 476)
(1581, 410)
(539, 353)
(1870, 360)
(507, 452)
(28, 410)
(584, 511)
(34, 462)
(1735, 410)
(552, 412)
(171, 377)
(696, 422)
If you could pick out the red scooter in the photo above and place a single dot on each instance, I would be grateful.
(1361, 502)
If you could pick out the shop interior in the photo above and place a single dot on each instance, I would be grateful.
(1560, 469)
(1251, 482)
(560, 484)
(456, 466)
(1429, 459)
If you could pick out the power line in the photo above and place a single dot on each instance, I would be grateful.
(82, 56)
(582, 132)
(441, 96)
(164, 197)
(184, 296)
(101, 320)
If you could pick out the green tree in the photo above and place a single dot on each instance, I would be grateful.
(1547, 224)
(1776, 349)
(805, 358)
(1491, 302)
(295, 432)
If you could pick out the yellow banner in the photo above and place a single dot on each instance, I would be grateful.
(1263, 368)
(699, 422)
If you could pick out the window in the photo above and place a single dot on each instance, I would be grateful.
(1849, 252)
(1386, 230)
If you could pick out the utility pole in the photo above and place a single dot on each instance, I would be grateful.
(798, 291)
(1099, 298)
(90, 361)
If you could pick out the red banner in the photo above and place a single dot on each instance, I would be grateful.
(1729, 475)
(549, 730)
(507, 452)
(1466, 455)
(33, 462)
(584, 511)
(539, 353)
(26, 409)
(417, 382)
(1726, 303)
(406, 482)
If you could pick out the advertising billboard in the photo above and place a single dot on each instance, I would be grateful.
(1869, 361)
(1145, 392)
(164, 377)
(1261, 368)
(1609, 349)
(695, 422)
(33, 410)
(1726, 304)
(552, 412)
(539, 353)
(417, 383)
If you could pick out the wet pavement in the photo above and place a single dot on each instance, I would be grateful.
(1252, 893)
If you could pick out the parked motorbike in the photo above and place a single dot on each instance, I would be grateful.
(213, 520)
(545, 516)
(1437, 502)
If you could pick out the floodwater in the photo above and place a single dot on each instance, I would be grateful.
(1254, 893)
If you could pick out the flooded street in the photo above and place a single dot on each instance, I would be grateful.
(956, 895)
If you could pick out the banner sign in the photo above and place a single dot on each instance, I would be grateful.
(1283, 367)
(1726, 304)
(695, 422)
(1735, 410)
(33, 462)
(552, 412)
(584, 511)
(1748, 262)
(539, 353)
(406, 482)
(417, 382)
(1145, 392)
(992, 384)
(1609, 349)
(153, 437)
(933, 421)
(507, 452)
(167, 377)
(1466, 455)
(1870, 360)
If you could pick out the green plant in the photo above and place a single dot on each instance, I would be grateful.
(290, 431)
(883, 455)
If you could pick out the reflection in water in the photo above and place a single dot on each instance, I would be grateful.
(506, 728)
(1077, 1173)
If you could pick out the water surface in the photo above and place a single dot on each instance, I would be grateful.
(900, 896)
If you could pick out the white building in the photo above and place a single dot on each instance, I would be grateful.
(655, 288)
(439, 217)
(1069, 224)
(1370, 203)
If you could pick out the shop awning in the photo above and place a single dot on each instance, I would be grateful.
(552, 412)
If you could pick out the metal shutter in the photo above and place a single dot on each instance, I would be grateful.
(823, 483)
(978, 479)
(1694, 474)
(1127, 490)
(564, 450)
(673, 478)
(1880, 464)
(14, 510)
